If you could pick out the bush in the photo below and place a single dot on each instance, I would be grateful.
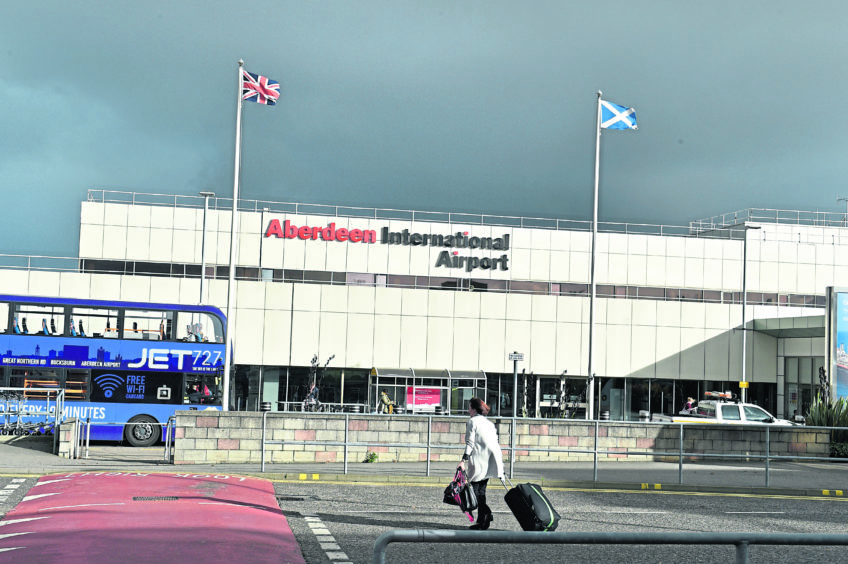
(834, 414)
(839, 450)
(371, 456)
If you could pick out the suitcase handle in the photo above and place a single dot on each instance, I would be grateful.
(504, 483)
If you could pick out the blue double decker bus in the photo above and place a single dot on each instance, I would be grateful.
(125, 366)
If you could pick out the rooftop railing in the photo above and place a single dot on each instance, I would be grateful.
(460, 218)
(764, 215)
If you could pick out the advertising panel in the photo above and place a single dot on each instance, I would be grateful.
(840, 336)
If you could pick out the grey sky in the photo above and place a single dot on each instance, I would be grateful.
(437, 105)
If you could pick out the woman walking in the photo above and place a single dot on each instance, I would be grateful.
(482, 459)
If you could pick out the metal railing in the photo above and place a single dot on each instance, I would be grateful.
(740, 540)
(458, 218)
(170, 438)
(766, 215)
(596, 451)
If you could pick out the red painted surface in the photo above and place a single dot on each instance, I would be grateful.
(93, 517)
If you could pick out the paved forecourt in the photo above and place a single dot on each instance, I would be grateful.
(136, 517)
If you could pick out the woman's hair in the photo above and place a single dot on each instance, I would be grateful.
(479, 406)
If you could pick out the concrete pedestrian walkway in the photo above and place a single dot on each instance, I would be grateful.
(32, 456)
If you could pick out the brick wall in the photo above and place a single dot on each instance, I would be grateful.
(236, 437)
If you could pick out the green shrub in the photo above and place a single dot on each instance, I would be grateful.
(826, 414)
(371, 456)
(839, 450)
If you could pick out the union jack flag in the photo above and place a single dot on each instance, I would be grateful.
(259, 89)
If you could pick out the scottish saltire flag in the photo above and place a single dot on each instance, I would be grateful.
(259, 89)
(614, 116)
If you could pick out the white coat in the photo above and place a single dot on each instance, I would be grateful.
(481, 445)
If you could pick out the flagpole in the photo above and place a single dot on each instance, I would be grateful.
(590, 396)
(233, 247)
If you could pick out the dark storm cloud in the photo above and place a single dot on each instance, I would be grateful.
(473, 106)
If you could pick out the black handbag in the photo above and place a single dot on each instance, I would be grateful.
(459, 492)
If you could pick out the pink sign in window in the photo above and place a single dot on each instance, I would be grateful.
(423, 396)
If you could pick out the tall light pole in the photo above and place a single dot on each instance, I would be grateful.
(744, 306)
(206, 196)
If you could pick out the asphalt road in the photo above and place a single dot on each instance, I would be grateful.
(355, 515)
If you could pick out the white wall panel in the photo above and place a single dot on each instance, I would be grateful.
(332, 336)
(276, 338)
(305, 332)
(692, 314)
(387, 340)
(519, 264)
(637, 270)
(272, 254)
(440, 303)
(618, 360)
(560, 262)
(44, 284)
(334, 298)
(387, 301)
(493, 354)
(467, 305)
(675, 272)
(105, 287)
(160, 244)
(161, 217)
(135, 288)
(644, 312)
(115, 214)
(74, 285)
(618, 269)
(92, 212)
(655, 271)
(543, 308)
(360, 341)
(466, 344)
(543, 348)
(716, 354)
(518, 338)
(492, 305)
(248, 250)
(278, 296)
(307, 297)
(399, 259)
(570, 308)
(249, 340)
(186, 247)
(165, 290)
(294, 254)
(579, 266)
(712, 274)
(518, 306)
(250, 294)
(668, 352)
(692, 353)
(439, 342)
(413, 339)
(619, 312)
(540, 265)
(668, 314)
(91, 241)
(115, 242)
(361, 299)
(189, 292)
(568, 348)
(643, 351)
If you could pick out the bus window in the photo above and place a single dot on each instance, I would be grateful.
(202, 389)
(95, 322)
(140, 324)
(4, 317)
(36, 383)
(199, 327)
(41, 320)
(76, 385)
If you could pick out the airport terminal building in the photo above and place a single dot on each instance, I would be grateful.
(430, 305)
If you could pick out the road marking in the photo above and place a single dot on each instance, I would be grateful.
(11, 548)
(325, 539)
(75, 506)
(38, 496)
(755, 512)
(48, 481)
(14, 535)
(13, 521)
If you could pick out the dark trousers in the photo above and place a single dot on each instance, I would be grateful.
(484, 512)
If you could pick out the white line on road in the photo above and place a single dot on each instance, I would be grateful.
(755, 512)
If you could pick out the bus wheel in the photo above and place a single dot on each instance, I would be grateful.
(144, 431)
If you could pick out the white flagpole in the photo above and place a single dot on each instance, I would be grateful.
(590, 396)
(233, 248)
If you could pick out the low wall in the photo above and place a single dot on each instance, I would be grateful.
(212, 437)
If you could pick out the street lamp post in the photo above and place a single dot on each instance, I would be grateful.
(744, 306)
(206, 196)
